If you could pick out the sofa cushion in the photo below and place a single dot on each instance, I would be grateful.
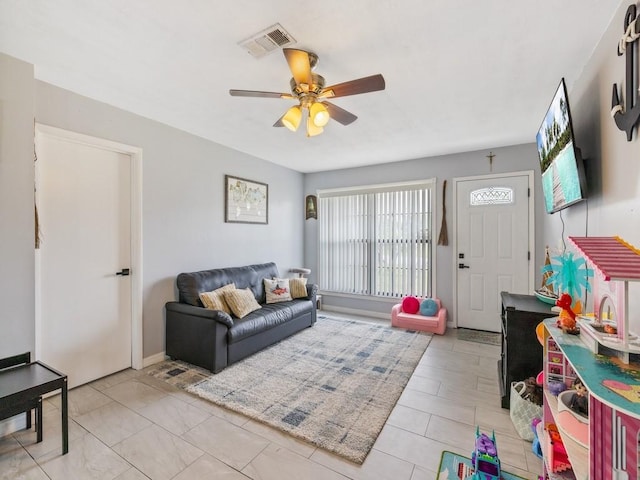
(410, 304)
(277, 290)
(190, 285)
(215, 300)
(241, 301)
(300, 306)
(428, 307)
(298, 287)
(269, 316)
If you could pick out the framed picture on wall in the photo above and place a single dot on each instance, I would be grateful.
(245, 201)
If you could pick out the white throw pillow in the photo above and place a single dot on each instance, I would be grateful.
(277, 290)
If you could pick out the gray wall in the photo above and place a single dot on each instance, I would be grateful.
(612, 163)
(16, 207)
(447, 167)
(183, 198)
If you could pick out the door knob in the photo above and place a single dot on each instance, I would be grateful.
(462, 265)
(124, 272)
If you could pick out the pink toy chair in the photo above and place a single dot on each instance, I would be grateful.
(415, 321)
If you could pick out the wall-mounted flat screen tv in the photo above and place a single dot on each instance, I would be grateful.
(563, 179)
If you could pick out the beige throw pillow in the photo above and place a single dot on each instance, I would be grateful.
(277, 290)
(241, 302)
(298, 287)
(215, 300)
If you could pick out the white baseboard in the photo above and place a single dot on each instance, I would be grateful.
(153, 359)
(13, 424)
(355, 311)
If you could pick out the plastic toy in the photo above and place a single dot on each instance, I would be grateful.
(567, 317)
(556, 453)
(580, 399)
(535, 447)
(569, 275)
(556, 387)
(484, 458)
(572, 424)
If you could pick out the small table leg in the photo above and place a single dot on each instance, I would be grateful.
(39, 425)
(65, 420)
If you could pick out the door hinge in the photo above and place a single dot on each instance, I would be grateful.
(528, 192)
(529, 255)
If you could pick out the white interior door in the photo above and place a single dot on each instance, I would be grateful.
(493, 246)
(85, 315)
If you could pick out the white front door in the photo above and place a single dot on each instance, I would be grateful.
(493, 245)
(85, 315)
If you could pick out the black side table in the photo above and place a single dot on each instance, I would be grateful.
(25, 384)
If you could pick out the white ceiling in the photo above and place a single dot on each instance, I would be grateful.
(460, 75)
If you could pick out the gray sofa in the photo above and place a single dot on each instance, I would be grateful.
(213, 339)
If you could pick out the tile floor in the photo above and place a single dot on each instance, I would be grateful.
(130, 426)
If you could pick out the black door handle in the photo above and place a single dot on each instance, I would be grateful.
(462, 265)
(124, 272)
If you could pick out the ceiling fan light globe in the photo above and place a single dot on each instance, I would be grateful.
(319, 114)
(312, 128)
(292, 118)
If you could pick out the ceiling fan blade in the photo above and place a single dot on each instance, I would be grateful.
(354, 87)
(256, 93)
(300, 65)
(340, 115)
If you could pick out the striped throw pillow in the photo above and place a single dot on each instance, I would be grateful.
(214, 300)
(298, 287)
(241, 302)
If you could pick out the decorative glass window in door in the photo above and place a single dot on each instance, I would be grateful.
(491, 196)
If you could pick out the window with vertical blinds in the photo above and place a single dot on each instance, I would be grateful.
(376, 240)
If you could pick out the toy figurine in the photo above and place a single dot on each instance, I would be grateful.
(567, 317)
(484, 458)
(580, 400)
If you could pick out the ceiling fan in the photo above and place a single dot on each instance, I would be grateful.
(308, 89)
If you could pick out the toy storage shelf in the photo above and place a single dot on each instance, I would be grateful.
(567, 475)
(578, 455)
(614, 407)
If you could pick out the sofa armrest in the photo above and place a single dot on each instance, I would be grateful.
(197, 335)
(217, 315)
(312, 290)
(395, 310)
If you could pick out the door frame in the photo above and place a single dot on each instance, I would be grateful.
(135, 153)
(532, 233)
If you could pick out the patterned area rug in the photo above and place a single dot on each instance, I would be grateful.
(479, 336)
(332, 385)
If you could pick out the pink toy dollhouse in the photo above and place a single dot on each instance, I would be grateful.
(615, 264)
(604, 356)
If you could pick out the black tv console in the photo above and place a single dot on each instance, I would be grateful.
(521, 355)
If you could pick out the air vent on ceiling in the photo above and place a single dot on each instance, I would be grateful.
(267, 41)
